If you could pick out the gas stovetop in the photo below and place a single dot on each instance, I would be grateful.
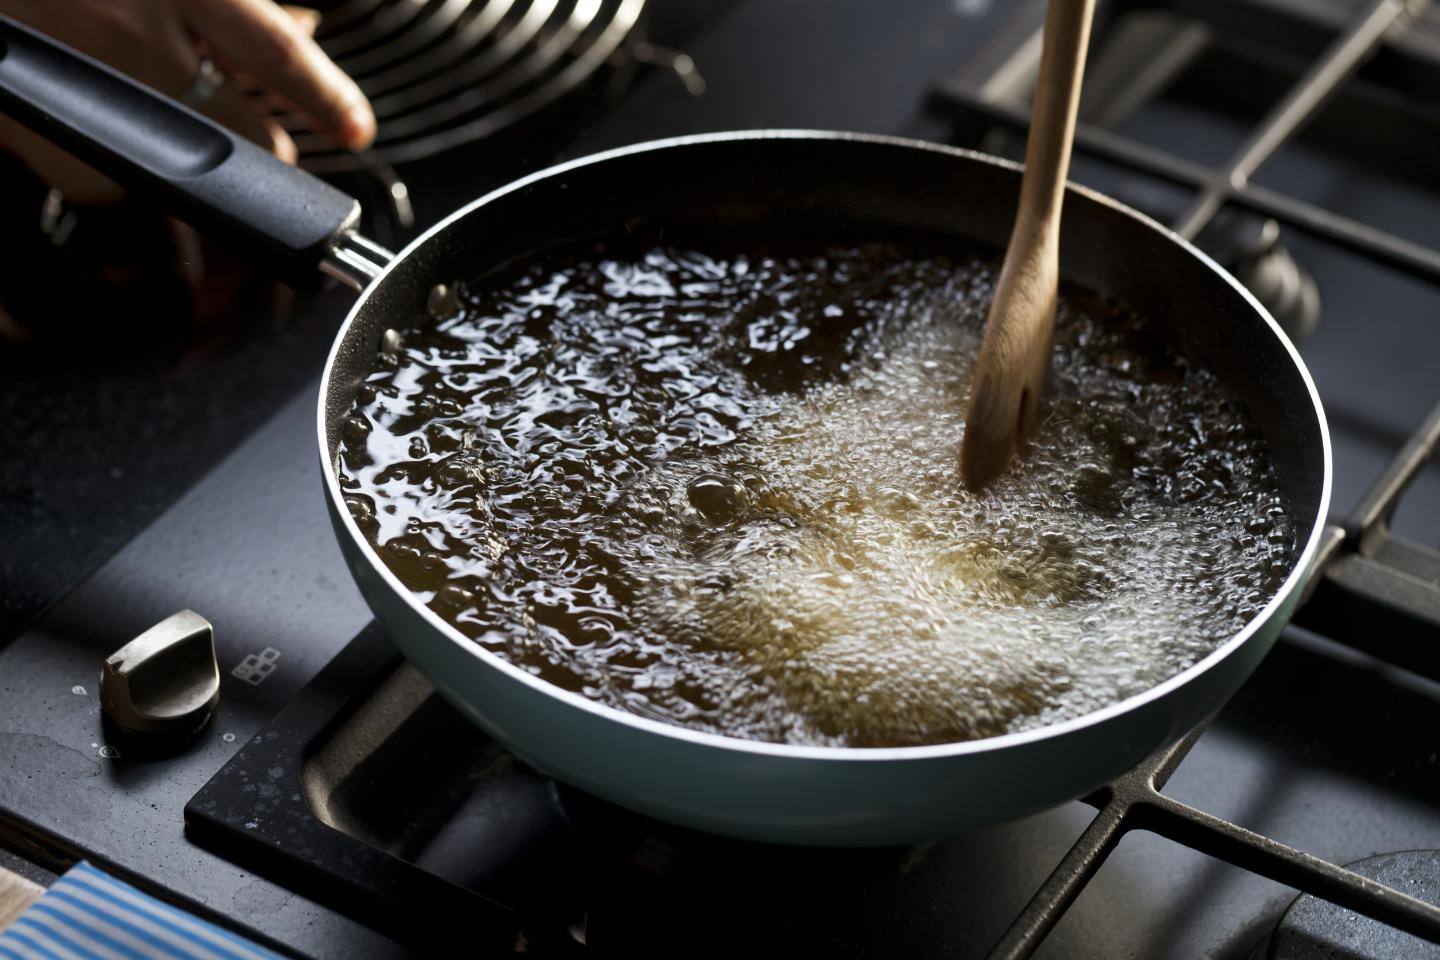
(317, 813)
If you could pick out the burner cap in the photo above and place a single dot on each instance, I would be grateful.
(444, 74)
(1314, 929)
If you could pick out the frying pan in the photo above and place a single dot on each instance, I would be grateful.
(744, 183)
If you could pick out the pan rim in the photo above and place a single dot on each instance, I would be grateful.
(1295, 581)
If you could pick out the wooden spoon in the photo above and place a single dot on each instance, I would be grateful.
(1008, 389)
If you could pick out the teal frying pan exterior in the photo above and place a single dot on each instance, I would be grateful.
(872, 186)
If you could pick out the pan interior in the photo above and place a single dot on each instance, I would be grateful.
(839, 189)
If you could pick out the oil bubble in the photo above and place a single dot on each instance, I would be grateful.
(718, 498)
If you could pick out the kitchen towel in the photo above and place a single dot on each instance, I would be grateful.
(89, 915)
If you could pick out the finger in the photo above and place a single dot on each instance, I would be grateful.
(258, 37)
(231, 106)
(237, 112)
(305, 18)
(281, 143)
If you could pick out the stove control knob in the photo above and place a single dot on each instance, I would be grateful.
(165, 681)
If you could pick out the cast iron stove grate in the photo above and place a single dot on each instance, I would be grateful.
(1375, 590)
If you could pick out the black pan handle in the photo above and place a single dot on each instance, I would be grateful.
(219, 182)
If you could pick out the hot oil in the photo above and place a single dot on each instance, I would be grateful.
(720, 489)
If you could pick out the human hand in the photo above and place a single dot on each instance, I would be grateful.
(161, 44)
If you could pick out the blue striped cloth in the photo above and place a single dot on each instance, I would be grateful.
(89, 915)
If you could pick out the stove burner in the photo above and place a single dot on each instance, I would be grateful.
(442, 74)
(1250, 248)
(1315, 929)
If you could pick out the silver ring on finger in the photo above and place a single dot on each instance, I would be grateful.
(208, 78)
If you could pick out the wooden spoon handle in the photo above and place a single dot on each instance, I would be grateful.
(1057, 102)
(1007, 391)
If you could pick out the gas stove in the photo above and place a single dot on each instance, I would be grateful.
(335, 806)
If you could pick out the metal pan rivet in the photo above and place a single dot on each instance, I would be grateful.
(443, 302)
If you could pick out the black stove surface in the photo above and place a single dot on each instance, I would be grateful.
(225, 517)
(457, 840)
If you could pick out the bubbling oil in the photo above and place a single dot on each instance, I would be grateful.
(720, 489)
